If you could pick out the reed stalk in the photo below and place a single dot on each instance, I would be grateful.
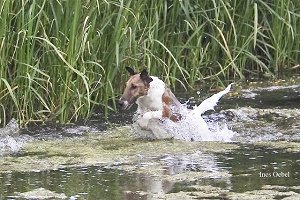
(59, 60)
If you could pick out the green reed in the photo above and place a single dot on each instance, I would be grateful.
(61, 59)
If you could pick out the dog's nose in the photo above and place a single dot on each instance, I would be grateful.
(121, 103)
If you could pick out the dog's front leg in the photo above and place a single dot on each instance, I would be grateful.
(153, 114)
(144, 120)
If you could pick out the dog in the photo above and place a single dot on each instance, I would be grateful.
(154, 99)
(159, 114)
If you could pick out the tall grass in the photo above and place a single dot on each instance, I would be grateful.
(60, 59)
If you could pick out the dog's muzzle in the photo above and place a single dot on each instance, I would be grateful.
(124, 105)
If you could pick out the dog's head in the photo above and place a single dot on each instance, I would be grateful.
(137, 85)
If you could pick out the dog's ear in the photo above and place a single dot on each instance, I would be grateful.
(145, 76)
(131, 71)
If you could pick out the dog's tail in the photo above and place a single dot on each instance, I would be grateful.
(211, 102)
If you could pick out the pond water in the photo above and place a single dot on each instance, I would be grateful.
(87, 161)
(240, 173)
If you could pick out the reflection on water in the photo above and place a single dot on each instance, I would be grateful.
(86, 183)
(250, 163)
(236, 171)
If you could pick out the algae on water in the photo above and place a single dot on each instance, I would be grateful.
(118, 150)
(117, 146)
(41, 194)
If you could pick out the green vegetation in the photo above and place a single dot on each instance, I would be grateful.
(59, 59)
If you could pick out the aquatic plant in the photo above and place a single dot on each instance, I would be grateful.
(61, 59)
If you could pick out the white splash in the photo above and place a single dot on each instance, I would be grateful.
(192, 127)
(10, 139)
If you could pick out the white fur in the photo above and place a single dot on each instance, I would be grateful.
(150, 106)
(153, 100)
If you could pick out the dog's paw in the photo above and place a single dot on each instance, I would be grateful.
(153, 114)
(143, 123)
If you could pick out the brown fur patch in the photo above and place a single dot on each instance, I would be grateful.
(167, 112)
(135, 87)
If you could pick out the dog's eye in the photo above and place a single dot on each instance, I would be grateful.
(133, 86)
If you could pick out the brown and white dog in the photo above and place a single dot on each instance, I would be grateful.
(161, 116)
(154, 99)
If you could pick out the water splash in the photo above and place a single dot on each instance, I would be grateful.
(192, 126)
(10, 139)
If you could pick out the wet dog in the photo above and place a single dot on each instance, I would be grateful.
(161, 116)
(154, 99)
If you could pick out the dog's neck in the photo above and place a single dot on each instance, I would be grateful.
(153, 100)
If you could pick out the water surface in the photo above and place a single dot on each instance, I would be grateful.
(84, 161)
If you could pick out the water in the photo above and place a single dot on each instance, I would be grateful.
(262, 163)
(85, 183)
(253, 167)
(234, 172)
(10, 139)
